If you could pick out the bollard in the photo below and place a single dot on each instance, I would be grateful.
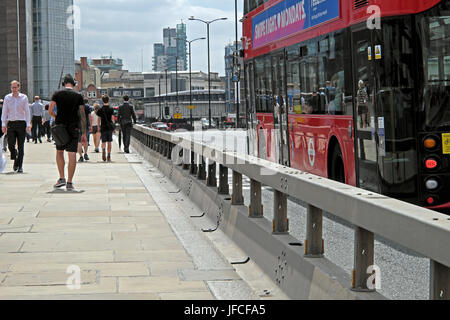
(224, 188)
(280, 223)
(256, 209)
(314, 244)
(212, 179)
(439, 281)
(363, 259)
(237, 198)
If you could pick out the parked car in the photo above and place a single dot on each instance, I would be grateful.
(160, 126)
(205, 124)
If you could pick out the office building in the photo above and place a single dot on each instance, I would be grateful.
(53, 45)
(106, 63)
(171, 55)
(16, 45)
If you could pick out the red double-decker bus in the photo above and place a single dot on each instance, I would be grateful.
(353, 90)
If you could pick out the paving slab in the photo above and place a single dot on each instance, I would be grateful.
(119, 237)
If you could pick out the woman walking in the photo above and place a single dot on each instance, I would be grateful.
(96, 127)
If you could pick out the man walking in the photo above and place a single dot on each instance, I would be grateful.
(46, 123)
(37, 113)
(85, 145)
(71, 114)
(5, 141)
(16, 121)
(106, 115)
(125, 114)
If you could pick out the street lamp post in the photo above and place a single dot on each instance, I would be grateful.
(165, 99)
(159, 93)
(190, 72)
(209, 61)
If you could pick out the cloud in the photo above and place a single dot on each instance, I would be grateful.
(125, 28)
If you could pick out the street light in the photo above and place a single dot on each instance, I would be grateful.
(209, 60)
(190, 71)
(165, 98)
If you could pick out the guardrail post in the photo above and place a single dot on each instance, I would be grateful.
(169, 150)
(224, 187)
(160, 146)
(439, 281)
(186, 162)
(166, 148)
(212, 179)
(201, 172)
(363, 259)
(237, 198)
(193, 169)
(280, 223)
(314, 245)
(256, 209)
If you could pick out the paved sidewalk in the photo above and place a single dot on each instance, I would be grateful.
(113, 231)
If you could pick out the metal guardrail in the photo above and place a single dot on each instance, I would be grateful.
(421, 230)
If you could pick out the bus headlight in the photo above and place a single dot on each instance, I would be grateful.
(432, 184)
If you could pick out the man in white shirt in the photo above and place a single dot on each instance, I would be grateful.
(16, 121)
(37, 113)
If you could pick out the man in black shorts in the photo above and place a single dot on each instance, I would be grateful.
(106, 114)
(70, 113)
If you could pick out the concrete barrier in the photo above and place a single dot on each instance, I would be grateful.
(281, 256)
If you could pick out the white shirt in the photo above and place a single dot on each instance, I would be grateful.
(16, 109)
(94, 119)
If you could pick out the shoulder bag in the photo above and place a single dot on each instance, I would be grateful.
(62, 138)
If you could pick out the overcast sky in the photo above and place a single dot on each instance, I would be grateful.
(124, 28)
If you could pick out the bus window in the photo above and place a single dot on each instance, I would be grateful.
(259, 85)
(434, 31)
(293, 81)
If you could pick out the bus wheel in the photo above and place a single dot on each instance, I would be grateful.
(337, 171)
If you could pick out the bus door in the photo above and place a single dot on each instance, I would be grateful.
(384, 103)
(365, 100)
(281, 125)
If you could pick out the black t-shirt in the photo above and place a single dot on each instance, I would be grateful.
(87, 111)
(68, 104)
(105, 113)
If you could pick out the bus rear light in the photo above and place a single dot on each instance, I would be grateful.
(431, 163)
(430, 200)
(432, 184)
(430, 143)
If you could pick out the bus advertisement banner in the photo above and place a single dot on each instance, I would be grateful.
(291, 16)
